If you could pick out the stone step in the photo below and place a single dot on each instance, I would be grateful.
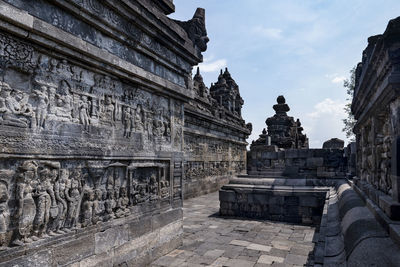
(272, 181)
(266, 172)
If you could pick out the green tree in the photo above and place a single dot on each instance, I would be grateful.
(349, 122)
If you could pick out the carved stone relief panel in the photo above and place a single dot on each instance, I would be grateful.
(133, 35)
(42, 198)
(46, 97)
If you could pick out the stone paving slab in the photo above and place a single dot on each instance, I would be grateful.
(211, 240)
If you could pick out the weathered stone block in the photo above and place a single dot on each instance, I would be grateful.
(160, 220)
(334, 143)
(276, 209)
(303, 153)
(291, 171)
(111, 238)
(310, 201)
(270, 155)
(139, 227)
(390, 207)
(281, 154)
(291, 153)
(315, 162)
(76, 249)
(227, 196)
(277, 200)
(38, 259)
(101, 260)
(261, 198)
(319, 153)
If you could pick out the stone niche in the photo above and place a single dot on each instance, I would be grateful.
(376, 106)
(92, 98)
(214, 135)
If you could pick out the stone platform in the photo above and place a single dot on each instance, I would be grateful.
(348, 228)
(296, 204)
(211, 240)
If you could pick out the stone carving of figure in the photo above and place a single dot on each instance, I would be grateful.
(59, 191)
(53, 65)
(14, 112)
(127, 121)
(102, 204)
(51, 171)
(153, 187)
(41, 108)
(87, 207)
(134, 193)
(142, 195)
(123, 201)
(63, 102)
(167, 127)
(84, 112)
(73, 195)
(64, 69)
(76, 73)
(139, 124)
(110, 205)
(4, 214)
(26, 209)
(43, 203)
(164, 187)
(110, 181)
(108, 111)
(158, 126)
(98, 206)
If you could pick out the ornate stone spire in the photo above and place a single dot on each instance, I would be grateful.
(197, 76)
(198, 84)
(285, 132)
(226, 92)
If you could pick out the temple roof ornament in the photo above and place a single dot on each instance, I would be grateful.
(283, 131)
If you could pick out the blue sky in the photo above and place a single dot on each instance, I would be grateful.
(301, 49)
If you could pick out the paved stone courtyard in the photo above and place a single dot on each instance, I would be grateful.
(210, 240)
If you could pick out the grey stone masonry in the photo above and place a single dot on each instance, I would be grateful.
(297, 163)
(376, 108)
(351, 232)
(212, 240)
(214, 135)
(92, 98)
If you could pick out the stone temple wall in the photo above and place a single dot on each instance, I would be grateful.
(215, 136)
(298, 163)
(92, 98)
(376, 107)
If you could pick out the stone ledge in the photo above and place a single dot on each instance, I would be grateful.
(54, 38)
(383, 201)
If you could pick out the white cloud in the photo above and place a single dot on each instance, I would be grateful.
(325, 122)
(328, 107)
(211, 66)
(335, 78)
(270, 33)
(338, 79)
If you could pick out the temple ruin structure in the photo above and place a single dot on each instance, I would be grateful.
(215, 135)
(376, 107)
(283, 131)
(102, 129)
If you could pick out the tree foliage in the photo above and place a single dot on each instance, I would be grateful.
(349, 122)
